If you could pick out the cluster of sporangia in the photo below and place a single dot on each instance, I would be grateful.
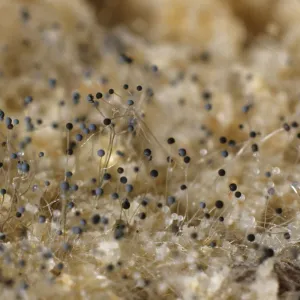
(20, 166)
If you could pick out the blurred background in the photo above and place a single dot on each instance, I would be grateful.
(144, 16)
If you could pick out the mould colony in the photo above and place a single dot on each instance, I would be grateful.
(141, 182)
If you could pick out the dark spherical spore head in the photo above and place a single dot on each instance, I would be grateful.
(278, 210)
(69, 174)
(252, 134)
(208, 106)
(60, 266)
(120, 170)
(106, 176)
(25, 15)
(182, 152)
(144, 202)
(123, 179)
(221, 172)
(86, 131)
(41, 154)
(287, 235)
(69, 152)
(74, 187)
(114, 196)
(25, 167)
(69, 126)
(47, 182)
(130, 102)
(246, 108)
(206, 95)
(104, 220)
(8, 121)
(129, 188)
(70, 205)
(294, 124)
(42, 219)
(130, 128)
(99, 95)
(110, 267)
(92, 127)
(76, 230)
(142, 215)
(202, 205)
(54, 125)
(251, 237)
(268, 174)
(286, 127)
(119, 233)
(171, 200)
(269, 252)
(73, 144)
(194, 235)
(125, 86)
(153, 173)
(101, 152)
(224, 153)
(111, 91)
(171, 140)
(99, 191)
(237, 194)
(76, 97)
(107, 121)
(183, 187)
(14, 156)
(126, 204)
(18, 214)
(90, 98)
(154, 68)
(207, 216)
(96, 219)
(223, 140)
(139, 88)
(28, 100)
(219, 204)
(78, 137)
(187, 159)
(213, 244)
(232, 187)
(64, 185)
(232, 143)
(147, 152)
